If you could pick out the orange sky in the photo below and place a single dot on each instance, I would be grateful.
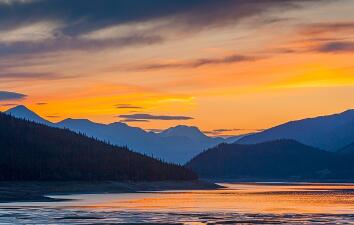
(299, 65)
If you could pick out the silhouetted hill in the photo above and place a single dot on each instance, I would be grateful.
(330, 133)
(31, 151)
(349, 149)
(282, 159)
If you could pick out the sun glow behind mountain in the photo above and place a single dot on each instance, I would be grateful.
(247, 66)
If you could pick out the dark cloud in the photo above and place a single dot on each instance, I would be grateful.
(41, 103)
(127, 106)
(335, 47)
(75, 19)
(82, 16)
(141, 116)
(6, 95)
(198, 62)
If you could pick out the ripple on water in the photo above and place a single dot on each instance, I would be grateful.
(65, 216)
(240, 204)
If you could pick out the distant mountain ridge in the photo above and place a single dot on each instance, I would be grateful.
(35, 152)
(349, 149)
(330, 133)
(282, 159)
(176, 144)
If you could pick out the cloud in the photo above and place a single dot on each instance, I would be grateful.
(53, 116)
(327, 28)
(220, 132)
(127, 106)
(325, 37)
(51, 25)
(133, 120)
(147, 117)
(35, 32)
(6, 95)
(8, 104)
(10, 2)
(335, 47)
(81, 16)
(15, 75)
(41, 103)
(198, 62)
(73, 43)
(226, 130)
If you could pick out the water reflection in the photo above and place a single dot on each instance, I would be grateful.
(237, 203)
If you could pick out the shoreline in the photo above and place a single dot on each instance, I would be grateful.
(37, 191)
(278, 181)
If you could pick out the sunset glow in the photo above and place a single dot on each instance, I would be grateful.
(236, 73)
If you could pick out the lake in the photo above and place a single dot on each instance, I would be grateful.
(242, 203)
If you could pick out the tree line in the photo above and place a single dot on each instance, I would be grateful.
(31, 151)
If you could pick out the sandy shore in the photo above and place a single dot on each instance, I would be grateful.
(37, 191)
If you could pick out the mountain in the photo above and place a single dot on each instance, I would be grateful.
(282, 159)
(234, 139)
(349, 149)
(22, 112)
(169, 146)
(330, 133)
(32, 151)
(177, 144)
(190, 132)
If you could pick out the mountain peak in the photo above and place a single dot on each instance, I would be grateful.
(183, 131)
(120, 124)
(328, 132)
(18, 108)
(22, 112)
(76, 120)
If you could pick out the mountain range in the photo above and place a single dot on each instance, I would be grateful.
(330, 133)
(313, 148)
(35, 152)
(349, 149)
(309, 149)
(274, 160)
(177, 144)
(181, 143)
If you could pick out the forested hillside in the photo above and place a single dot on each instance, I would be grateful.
(282, 159)
(31, 151)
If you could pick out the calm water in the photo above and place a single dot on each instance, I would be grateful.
(237, 203)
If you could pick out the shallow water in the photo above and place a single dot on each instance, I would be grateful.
(252, 203)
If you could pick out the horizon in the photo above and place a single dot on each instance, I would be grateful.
(232, 67)
(212, 133)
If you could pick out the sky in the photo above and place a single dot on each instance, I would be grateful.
(226, 66)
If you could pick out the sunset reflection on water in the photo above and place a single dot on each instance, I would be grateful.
(249, 198)
(247, 203)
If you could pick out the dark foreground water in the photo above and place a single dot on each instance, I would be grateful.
(237, 204)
